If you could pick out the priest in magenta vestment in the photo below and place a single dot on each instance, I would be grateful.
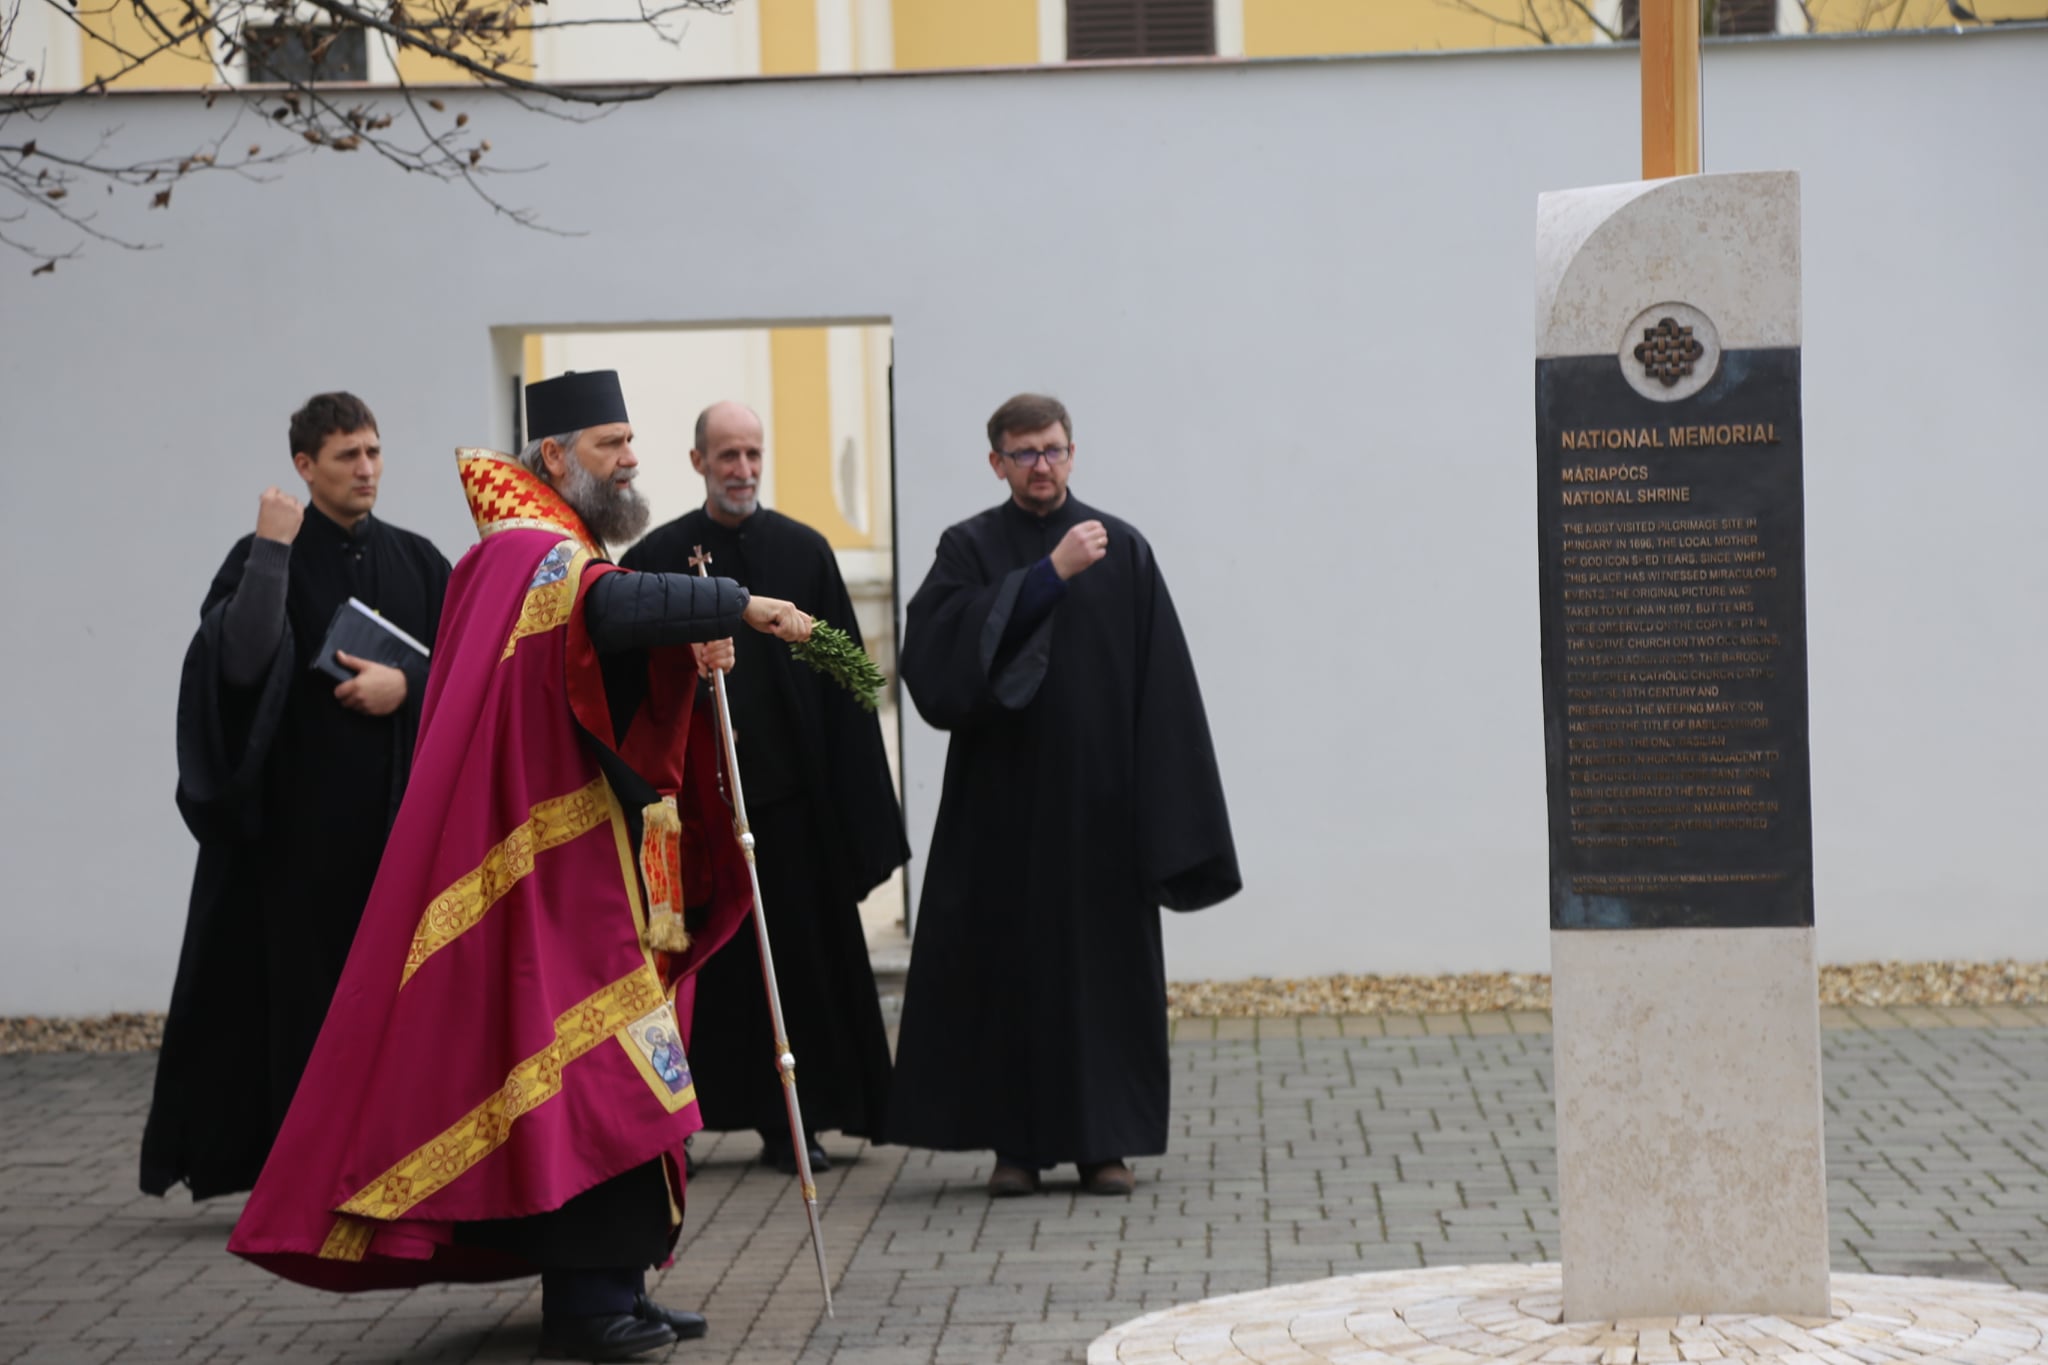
(501, 1087)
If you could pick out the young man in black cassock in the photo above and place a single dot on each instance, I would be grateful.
(290, 781)
(821, 805)
(1081, 795)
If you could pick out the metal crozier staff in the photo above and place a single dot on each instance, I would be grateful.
(785, 1060)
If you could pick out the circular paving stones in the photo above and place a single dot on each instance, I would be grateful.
(1511, 1315)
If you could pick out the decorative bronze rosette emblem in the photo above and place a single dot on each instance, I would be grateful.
(1667, 351)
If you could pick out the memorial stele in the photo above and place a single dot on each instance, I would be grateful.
(1692, 1186)
(1684, 981)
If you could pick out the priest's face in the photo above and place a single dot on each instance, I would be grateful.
(341, 477)
(1036, 465)
(729, 458)
(596, 478)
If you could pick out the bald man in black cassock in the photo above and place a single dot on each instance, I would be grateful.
(1081, 795)
(820, 801)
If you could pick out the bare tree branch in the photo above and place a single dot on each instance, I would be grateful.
(1612, 32)
(280, 62)
(408, 36)
(264, 60)
(1548, 22)
(1521, 21)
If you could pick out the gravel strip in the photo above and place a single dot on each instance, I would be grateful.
(1862, 983)
(100, 1033)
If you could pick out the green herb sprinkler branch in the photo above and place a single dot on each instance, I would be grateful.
(832, 653)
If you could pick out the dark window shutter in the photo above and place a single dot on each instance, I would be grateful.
(1716, 16)
(1098, 29)
(1745, 16)
(304, 53)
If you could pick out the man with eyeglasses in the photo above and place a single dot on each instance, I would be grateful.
(1081, 795)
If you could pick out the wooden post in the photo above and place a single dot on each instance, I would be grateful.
(1671, 87)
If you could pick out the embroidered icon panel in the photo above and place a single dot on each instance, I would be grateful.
(555, 567)
(656, 1047)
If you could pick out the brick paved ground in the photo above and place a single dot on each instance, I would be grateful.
(1301, 1150)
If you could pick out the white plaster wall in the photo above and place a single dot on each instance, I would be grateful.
(1290, 306)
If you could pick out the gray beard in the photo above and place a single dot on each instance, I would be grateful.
(732, 509)
(614, 515)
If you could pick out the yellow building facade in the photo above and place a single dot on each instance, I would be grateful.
(794, 37)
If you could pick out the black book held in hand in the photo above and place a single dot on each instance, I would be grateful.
(357, 629)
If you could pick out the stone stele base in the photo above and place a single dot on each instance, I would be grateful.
(1481, 1315)
(1690, 1166)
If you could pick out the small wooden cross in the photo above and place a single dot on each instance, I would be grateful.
(698, 560)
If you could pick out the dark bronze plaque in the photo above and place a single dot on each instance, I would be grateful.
(1674, 647)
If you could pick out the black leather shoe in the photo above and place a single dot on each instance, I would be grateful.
(686, 1326)
(778, 1155)
(1108, 1177)
(616, 1336)
(1007, 1181)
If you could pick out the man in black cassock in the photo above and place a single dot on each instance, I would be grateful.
(821, 804)
(289, 781)
(1081, 795)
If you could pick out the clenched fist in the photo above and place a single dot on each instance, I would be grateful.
(715, 656)
(1079, 548)
(773, 616)
(278, 516)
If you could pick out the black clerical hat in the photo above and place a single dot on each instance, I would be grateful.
(572, 402)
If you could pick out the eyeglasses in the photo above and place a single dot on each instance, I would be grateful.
(1052, 455)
